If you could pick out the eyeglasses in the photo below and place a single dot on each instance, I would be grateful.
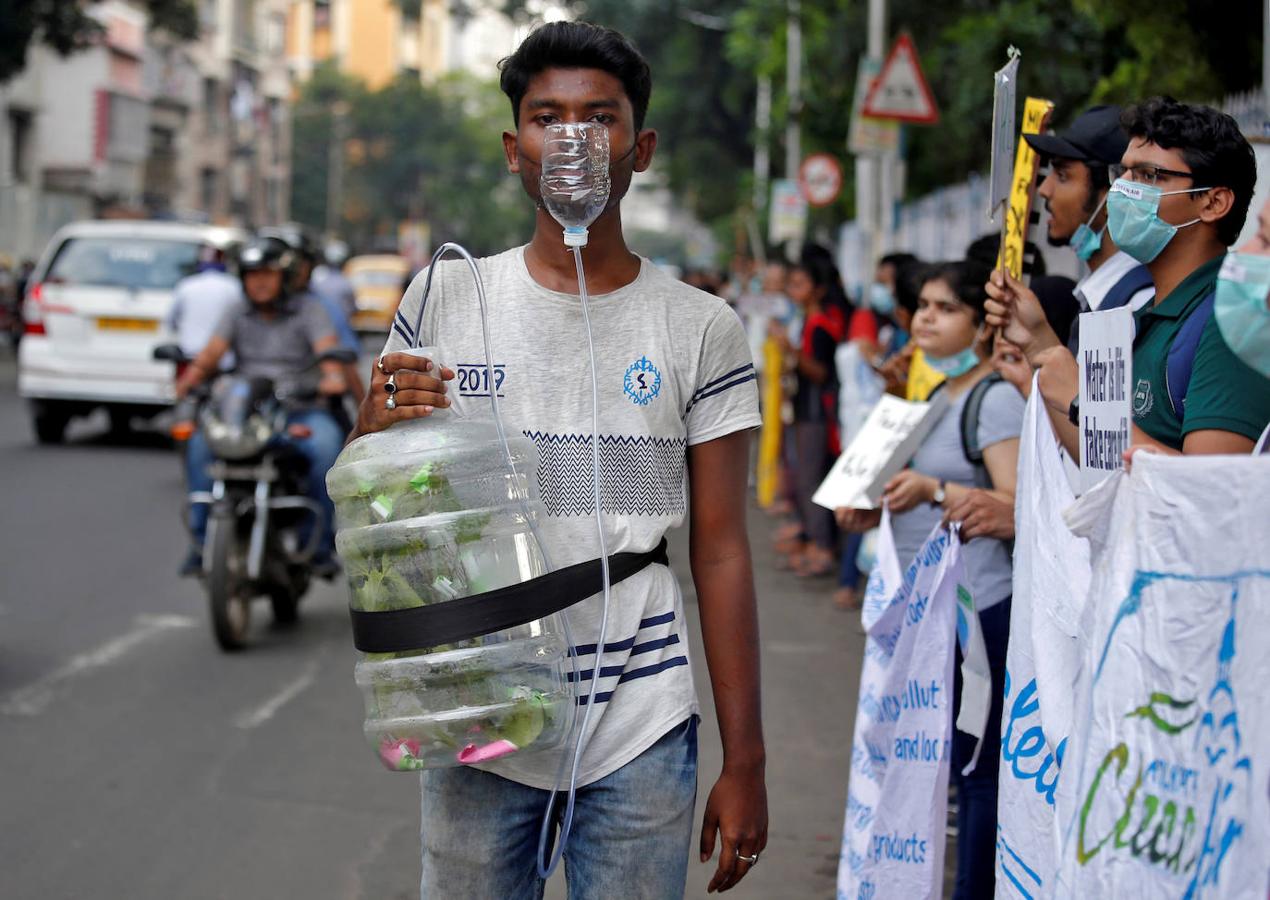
(1144, 174)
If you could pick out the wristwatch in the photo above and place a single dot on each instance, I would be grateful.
(1073, 411)
(938, 497)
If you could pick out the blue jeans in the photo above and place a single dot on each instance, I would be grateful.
(320, 449)
(977, 792)
(630, 838)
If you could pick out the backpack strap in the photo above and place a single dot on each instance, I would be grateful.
(1181, 356)
(970, 429)
(451, 621)
(1129, 284)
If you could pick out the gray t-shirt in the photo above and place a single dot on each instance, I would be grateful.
(281, 347)
(674, 371)
(988, 564)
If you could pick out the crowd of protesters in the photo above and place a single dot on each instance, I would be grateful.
(1151, 199)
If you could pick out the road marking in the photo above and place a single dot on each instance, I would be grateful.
(260, 715)
(35, 697)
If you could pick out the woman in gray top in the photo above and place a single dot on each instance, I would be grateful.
(949, 329)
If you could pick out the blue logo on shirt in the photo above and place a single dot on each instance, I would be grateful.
(642, 382)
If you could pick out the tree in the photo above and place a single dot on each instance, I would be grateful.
(430, 153)
(67, 26)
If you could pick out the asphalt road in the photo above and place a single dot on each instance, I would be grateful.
(137, 761)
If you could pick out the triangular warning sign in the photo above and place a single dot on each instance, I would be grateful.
(900, 91)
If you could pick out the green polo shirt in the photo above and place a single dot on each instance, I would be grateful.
(1223, 394)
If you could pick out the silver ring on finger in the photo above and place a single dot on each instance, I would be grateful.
(752, 859)
(390, 386)
(391, 402)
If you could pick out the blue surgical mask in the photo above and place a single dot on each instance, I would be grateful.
(1133, 220)
(1240, 308)
(960, 362)
(881, 299)
(1085, 241)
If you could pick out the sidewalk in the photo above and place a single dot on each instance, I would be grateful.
(811, 656)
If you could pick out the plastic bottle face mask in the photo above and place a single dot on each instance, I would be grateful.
(1240, 308)
(575, 175)
(1134, 222)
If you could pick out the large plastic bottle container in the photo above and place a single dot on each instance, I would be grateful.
(429, 511)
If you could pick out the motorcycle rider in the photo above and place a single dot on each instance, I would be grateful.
(276, 334)
(301, 283)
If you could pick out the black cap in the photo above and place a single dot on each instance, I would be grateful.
(1095, 137)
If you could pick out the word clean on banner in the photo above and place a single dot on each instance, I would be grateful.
(1051, 581)
(1106, 401)
(1169, 759)
(897, 797)
(890, 436)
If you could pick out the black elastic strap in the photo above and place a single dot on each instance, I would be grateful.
(395, 630)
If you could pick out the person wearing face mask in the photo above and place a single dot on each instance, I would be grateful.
(949, 327)
(1179, 199)
(1075, 194)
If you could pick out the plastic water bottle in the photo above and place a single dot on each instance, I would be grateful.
(428, 511)
(575, 176)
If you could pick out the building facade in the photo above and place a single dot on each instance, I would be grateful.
(141, 124)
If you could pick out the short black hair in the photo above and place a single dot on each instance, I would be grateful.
(1212, 145)
(966, 278)
(986, 248)
(577, 45)
(908, 278)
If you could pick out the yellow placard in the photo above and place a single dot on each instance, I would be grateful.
(1036, 114)
(767, 476)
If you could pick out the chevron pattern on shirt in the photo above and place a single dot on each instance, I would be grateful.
(639, 475)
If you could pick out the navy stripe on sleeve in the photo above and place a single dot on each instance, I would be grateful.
(403, 327)
(748, 367)
(588, 649)
(720, 390)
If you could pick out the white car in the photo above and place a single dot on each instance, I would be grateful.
(95, 310)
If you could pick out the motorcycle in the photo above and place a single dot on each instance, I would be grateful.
(258, 505)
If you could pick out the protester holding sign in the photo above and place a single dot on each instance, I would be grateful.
(1180, 198)
(1075, 195)
(950, 329)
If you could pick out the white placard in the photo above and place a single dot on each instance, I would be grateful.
(1106, 401)
(890, 436)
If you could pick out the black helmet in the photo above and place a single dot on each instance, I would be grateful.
(264, 252)
(297, 238)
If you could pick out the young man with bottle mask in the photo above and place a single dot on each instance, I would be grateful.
(1179, 199)
(677, 399)
(1075, 195)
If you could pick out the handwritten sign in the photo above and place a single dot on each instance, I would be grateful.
(897, 796)
(1036, 115)
(1169, 758)
(1106, 403)
(890, 436)
(1005, 91)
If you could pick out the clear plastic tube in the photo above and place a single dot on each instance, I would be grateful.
(545, 868)
(577, 730)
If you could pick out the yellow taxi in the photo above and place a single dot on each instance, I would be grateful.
(378, 282)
